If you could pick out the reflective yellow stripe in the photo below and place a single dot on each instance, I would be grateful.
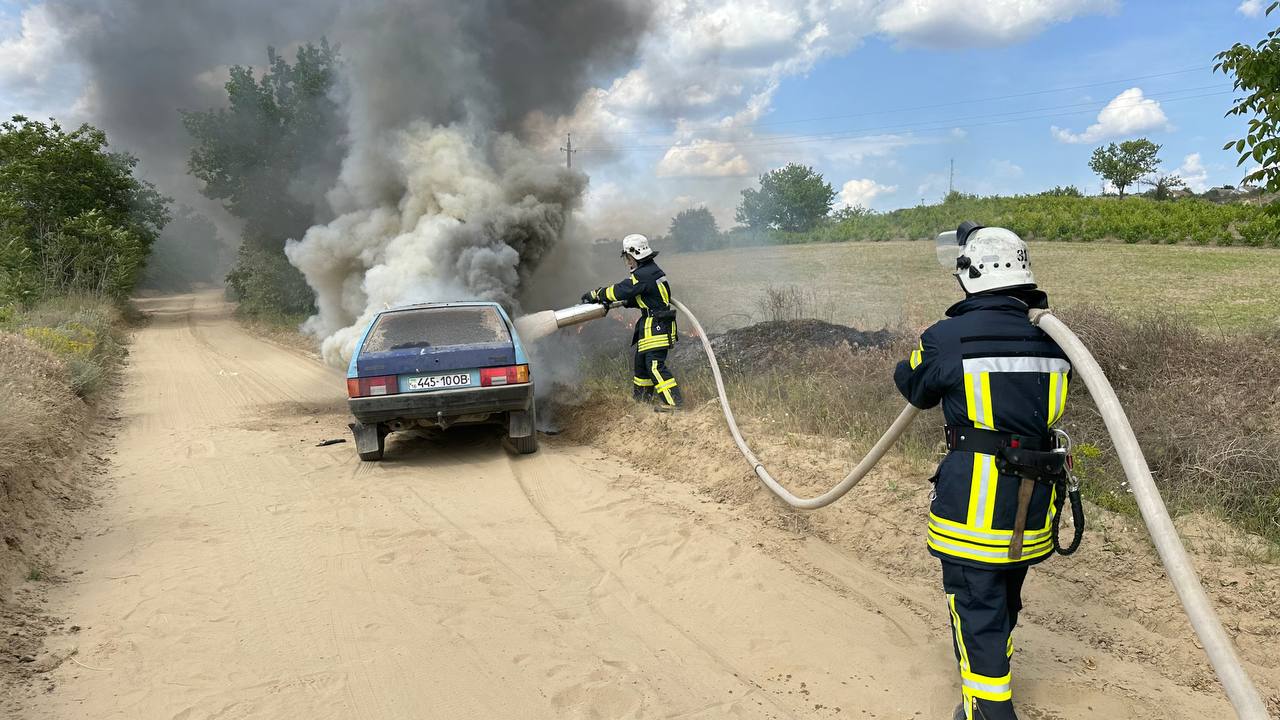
(955, 628)
(610, 294)
(1008, 651)
(666, 385)
(994, 689)
(991, 480)
(975, 479)
(983, 536)
(634, 281)
(1053, 398)
(641, 303)
(1053, 509)
(1062, 396)
(984, 553)
(666, 295)
(642, 382)
(654, 343)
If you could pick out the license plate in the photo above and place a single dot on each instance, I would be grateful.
(439, 382)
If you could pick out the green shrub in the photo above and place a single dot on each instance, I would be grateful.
(266, 285)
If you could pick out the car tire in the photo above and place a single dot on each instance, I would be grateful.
(525, 445)
(528, 444)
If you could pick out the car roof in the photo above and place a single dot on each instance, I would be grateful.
(435, 305)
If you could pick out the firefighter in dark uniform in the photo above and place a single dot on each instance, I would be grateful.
(1002, 383)
(655, 333)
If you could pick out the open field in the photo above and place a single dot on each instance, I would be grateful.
(899, 284)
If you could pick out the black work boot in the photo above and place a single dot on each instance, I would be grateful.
(641, 394)
(959, 713)
(677, 401)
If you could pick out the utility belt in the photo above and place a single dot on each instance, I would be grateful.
(1032, 458)
(1043, 460)
(668, 315)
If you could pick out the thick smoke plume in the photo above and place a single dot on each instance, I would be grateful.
(440, 194)
(476, 215)
(439, 197)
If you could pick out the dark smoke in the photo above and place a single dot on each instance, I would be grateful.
(436, 95)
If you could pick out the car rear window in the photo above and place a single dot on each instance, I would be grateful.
(437, 327)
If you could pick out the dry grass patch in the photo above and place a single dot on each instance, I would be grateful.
(1205, 408)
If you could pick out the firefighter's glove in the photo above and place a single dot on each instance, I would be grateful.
(588, 297)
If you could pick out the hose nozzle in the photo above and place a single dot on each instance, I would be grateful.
(582, 313)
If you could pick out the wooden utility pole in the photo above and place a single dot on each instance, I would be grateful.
(951, 179)
(568, 150)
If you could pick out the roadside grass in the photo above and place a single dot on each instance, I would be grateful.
(56, 361)
(1206, 408)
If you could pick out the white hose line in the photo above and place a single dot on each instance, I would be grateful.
(1240, 689)
(877, 451)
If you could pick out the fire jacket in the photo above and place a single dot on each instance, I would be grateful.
(647, 289)
(990, 368)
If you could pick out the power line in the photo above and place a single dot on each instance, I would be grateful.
(934, 106)
(568, 150)
(1010, 116)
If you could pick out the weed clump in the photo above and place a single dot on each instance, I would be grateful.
(1203, 407)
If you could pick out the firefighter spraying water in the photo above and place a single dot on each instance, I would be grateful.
(1000, 366)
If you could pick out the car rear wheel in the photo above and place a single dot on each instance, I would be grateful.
(522, 430)
(525, 445)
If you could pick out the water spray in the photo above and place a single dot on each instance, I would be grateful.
(1239, 687)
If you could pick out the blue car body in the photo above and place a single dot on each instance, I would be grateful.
(439, 373)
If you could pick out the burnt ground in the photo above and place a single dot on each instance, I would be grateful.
(768, 343)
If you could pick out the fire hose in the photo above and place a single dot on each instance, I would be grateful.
(1240, 690)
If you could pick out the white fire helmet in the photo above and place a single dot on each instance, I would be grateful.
(636, 247)
(986, 259)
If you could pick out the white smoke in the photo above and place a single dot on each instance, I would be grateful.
(476, 213)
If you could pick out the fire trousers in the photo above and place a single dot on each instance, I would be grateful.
(652, 377)
(984, 606)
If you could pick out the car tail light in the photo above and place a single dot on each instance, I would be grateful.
(365, 387)
(512, 375)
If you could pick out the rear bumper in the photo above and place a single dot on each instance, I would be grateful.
(442, 403)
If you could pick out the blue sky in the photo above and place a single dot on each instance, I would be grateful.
(723, 90)
(1140, 40)
(1157, 54)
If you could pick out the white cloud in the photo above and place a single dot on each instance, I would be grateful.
(703, 158)
(950, 24)
(708, 60)
(1252, 8)
(31, 55)
(860, 193)
(1006, 169)
(1194, 173)
(37, 74)
(1129, 113)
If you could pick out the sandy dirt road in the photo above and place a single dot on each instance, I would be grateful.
(236, 571)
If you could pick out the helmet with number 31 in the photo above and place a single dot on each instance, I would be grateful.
(986, 258)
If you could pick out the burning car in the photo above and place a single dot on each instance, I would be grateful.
(437, 365)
